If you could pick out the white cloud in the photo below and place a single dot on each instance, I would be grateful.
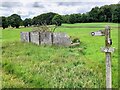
(31, 8)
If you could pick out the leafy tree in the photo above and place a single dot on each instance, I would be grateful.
(94, 14)
(84, 18)
(101, 15)
(43, 18)
(14, 20)
(78, 18)
(107, 13)
(57, 20)
(4, 22)
(72, 19)
(116, 15)
(65, 18)
(35, 21)
(27, 22)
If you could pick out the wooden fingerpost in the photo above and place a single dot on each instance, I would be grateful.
(108, 43)
(108, 50)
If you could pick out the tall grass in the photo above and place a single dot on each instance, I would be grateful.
(29, 65)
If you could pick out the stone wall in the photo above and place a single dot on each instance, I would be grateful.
(46, 38)
(61, 39)
(35, 37)
(25, 36)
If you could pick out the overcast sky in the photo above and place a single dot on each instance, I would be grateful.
(31, 8)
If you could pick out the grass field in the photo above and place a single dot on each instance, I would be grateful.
(29, 65)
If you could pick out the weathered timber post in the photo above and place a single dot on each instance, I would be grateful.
(107, 50)
(108, 43)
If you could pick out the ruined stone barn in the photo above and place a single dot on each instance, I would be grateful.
(46, 38)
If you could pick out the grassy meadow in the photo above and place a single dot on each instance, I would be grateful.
(29, 65)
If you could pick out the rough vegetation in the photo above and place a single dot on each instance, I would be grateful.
(28, 65)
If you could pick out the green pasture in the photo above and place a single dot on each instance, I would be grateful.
(97, 25)
(29, 65)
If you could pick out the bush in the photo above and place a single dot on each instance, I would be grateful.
(75, 40)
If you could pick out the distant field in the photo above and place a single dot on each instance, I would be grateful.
(92, 24)
(29, 65)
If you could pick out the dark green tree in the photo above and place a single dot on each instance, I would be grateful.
(27, 22)
(45, 18)
(14, 20)
(101, 15)
(72, 19)
(57, 20)
(35, 21)
(78, 18)
(4, 22)
(65, 18)
(116, 15)
(107, 13)
(84, 18)
(94, 13)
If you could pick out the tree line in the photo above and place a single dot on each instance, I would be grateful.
(106, 13)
